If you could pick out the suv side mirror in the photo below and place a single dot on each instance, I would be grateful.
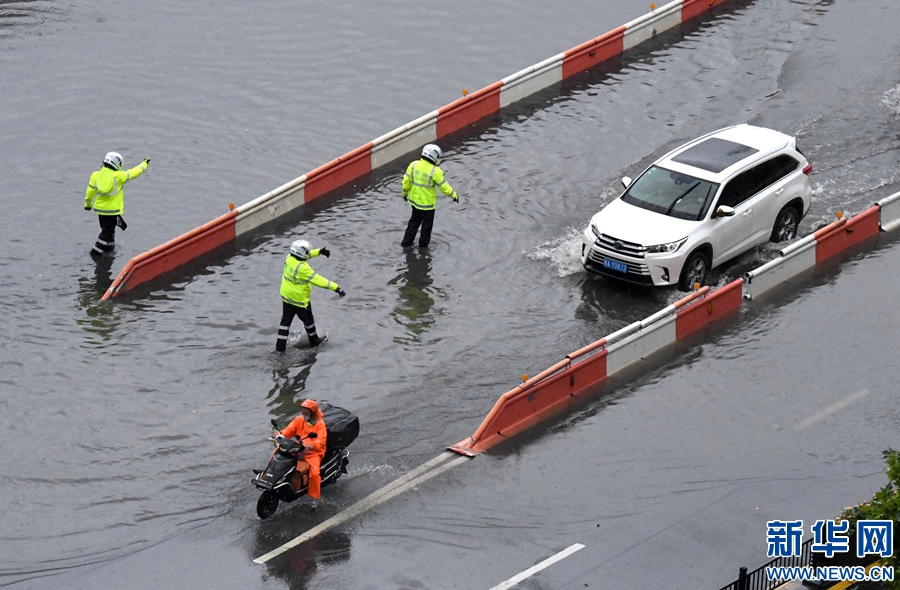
(626, 181)
(724, 211)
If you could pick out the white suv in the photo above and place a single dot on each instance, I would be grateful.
(700, 205)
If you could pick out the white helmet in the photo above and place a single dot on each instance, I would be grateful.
(432, 153)
(301, 249)
(114, 159)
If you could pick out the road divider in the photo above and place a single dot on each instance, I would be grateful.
(821, 245)
(388, 148)
(581, 371)
(174, 253)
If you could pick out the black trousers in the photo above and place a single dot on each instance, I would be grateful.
(305, 314)
(106, 241)
(423, 218)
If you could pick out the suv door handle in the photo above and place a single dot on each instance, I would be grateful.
(779, 191)
(747, 212)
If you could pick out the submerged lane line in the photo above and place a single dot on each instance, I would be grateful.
(541, 566)
(832, 409)
(413, 478)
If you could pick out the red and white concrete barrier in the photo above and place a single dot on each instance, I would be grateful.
(580, 372)
(408, 138)
(815, 248)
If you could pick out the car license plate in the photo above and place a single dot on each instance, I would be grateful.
(615, 265)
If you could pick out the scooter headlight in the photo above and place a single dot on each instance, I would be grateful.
(665, 248)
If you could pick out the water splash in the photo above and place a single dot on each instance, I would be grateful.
(564, 252)
(891, 100)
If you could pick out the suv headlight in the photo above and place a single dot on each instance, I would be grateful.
(665, 248)
(596, 230)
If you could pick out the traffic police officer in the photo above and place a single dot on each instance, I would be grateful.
(105, 195)
(296, 279)
(419, 182)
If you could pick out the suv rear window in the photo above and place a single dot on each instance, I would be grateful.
(714, 154)
(671, 193)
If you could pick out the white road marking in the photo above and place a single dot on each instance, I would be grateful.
(832, 409)
(413, 478)
(541, 566)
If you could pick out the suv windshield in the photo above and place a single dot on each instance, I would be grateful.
(671, 193)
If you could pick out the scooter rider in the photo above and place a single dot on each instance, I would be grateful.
(310, 420)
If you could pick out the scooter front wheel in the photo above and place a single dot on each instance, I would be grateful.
(266, 505)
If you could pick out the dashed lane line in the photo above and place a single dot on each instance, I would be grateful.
(541, 566)
(856, 395)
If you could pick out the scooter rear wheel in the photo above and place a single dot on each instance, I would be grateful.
(266, 505)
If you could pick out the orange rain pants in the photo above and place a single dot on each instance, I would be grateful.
(315, 478)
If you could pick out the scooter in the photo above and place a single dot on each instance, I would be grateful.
(279, 482)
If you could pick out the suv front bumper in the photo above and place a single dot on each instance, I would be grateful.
(656, 270)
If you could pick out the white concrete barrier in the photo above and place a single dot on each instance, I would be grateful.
(794, 260)
(640, 344)
(267, 207)
(648, 26)
(530, 80)
(405, 139)
(889, 216)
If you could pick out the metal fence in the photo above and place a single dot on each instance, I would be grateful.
(758, 580)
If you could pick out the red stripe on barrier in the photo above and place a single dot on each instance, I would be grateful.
(710, 308)
(338, 172)
(692, 8)
(842, 234)
(540, 397)
(468, 109)
(174, 253)
(592, 52)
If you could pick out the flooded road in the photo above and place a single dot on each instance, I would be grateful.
(130, 428)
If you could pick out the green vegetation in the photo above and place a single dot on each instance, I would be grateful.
(884, 505)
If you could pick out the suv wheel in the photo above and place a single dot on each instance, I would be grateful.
(786, 224)
(694, 271)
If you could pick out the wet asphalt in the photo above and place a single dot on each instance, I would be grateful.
(162, 399)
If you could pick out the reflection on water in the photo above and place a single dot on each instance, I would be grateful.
(287, 393)
(101, 321)
(299, 566)
(414, 310)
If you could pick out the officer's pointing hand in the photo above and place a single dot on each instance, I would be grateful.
(325, 252)
(87, 208)
(147, 161)
(340, 292)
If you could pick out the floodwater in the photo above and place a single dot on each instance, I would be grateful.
(129, 427)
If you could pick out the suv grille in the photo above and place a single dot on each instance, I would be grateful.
(615, 245)
(637, 273)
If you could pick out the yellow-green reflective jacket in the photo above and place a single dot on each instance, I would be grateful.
(297, 277)
(104, 191)
(419, 184)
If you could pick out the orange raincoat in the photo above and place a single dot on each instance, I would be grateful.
(300, 427)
